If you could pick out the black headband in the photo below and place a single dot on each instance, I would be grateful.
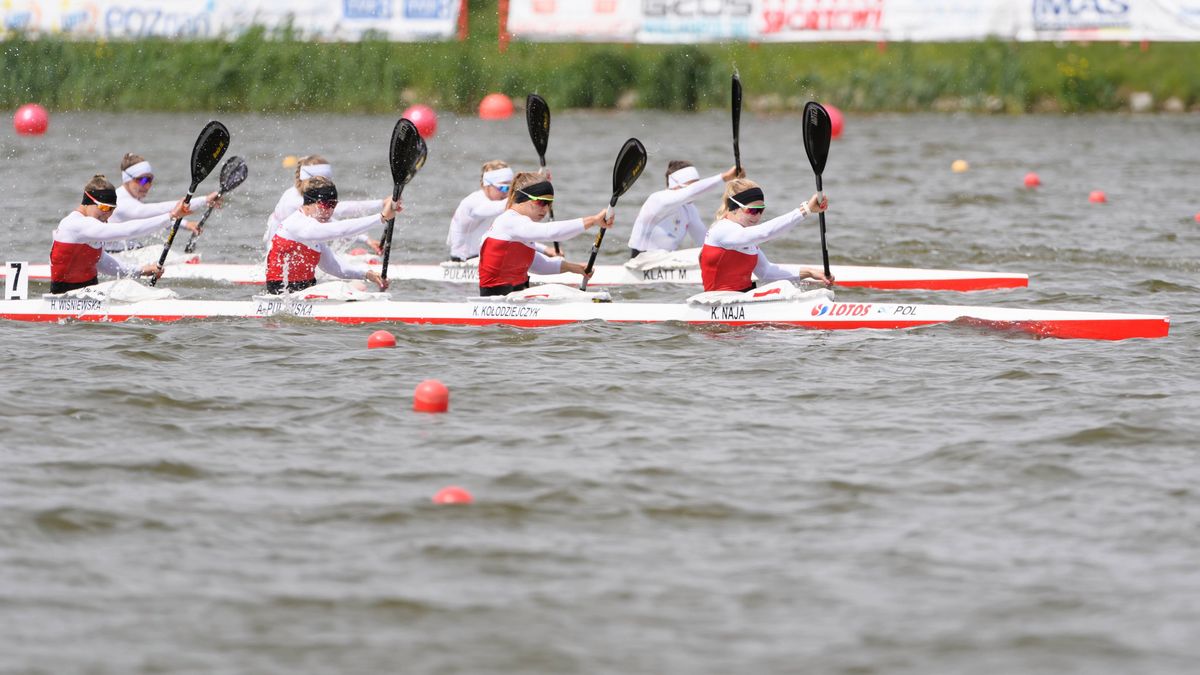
(105, 196)
(542, 189)
(320, 193)
(744, 197)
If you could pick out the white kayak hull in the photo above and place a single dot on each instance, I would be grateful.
(883, 278)
(816, 315)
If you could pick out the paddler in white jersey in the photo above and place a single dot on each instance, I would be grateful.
(313, 166)
(731, 254)
(477, 210)
(77, 255)
(669, 215)
(137, 178)
(508, 253)
(301, 243)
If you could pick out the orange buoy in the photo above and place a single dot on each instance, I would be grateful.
(424, 118)
(381, 338)
(959, 166)
(1198, 216)
(452, 494)
(1032, 180)
(431, 396)
(1097, 197)
(836, 120)
(31, 119)
(495, 107)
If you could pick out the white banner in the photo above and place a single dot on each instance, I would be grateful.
(327, 20)
(687, 21)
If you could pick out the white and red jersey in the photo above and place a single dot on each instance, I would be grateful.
(77, 253)
(470, 222)
(669, 215)
(508, 252)
(131, 208)
(731, 254)
(301, 244)
(291, 201)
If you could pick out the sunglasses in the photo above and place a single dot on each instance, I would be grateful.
(502, 188)
(328, 203)
(144, 180)
(549, 200)
(755, 210)
(104, 208)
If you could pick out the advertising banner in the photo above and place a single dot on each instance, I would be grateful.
(687, 21)
(329, 20)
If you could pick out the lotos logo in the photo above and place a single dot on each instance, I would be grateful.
(843, 309)
(1080, 14)
(820, 310)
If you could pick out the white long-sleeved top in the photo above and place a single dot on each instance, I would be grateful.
(471, 220)
(291, 201)
(77, 228)
(303, 228)
(732, 236)
(668, 215)
(513, 226)
(131, 208)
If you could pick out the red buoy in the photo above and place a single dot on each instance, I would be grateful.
(423, 117)
(431, 396)
(495, 107)
(1097, 197)
(1032, 180)
(31, 119)
(381, 338)
(452, 494)
(836, 121)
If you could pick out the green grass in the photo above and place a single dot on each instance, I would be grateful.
(261, 73)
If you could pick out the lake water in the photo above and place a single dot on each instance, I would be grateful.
(254, 496)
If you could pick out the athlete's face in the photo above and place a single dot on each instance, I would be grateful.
(751, 214)
(139, 187)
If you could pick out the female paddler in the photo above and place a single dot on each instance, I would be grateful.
(301, 242)
(78, 255)
(312, 166)
(731, 254)
(137, 178)
(508, 254)
(477, 210)
(667, 216)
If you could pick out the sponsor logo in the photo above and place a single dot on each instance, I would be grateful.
(148, 21)
(605, 6)
(842, 309)
(780, 16)
(703, 18)
(763, 294)
(423, 9)
(76, 304)
(544, 6)
(505, 311)
(29, 20)
(367, 9)
(903, 310)
(728, 313)
(1080, 14)
(80, 21)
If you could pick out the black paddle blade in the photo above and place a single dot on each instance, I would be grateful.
(406, 153)
(537, 117)
(233, 173)
(631, 161)
(736, 108)
(210, 146)
(818, 131)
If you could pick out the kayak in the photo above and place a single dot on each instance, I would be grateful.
(770, 306)
(881, 278)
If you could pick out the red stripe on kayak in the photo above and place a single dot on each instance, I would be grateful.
(939, 284)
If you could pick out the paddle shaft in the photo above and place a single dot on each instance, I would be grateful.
(596, 246)
(824, 248)
(191, 245)
(386, 244)
(737, 124)
(162, 259)
(542, 161)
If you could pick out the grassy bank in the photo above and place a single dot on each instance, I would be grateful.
(255, 73)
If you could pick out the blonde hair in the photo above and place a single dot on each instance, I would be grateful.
(307, 160)
(130, 159)
(523, 180)
(732, 188)
(314, 182)
(98, 182)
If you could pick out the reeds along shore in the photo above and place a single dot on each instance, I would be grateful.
(261, 73)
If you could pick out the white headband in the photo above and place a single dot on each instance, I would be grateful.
(498, 176)
(682, 176)
(313, 170)
(140, 169)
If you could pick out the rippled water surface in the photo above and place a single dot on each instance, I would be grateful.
(254, 496)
